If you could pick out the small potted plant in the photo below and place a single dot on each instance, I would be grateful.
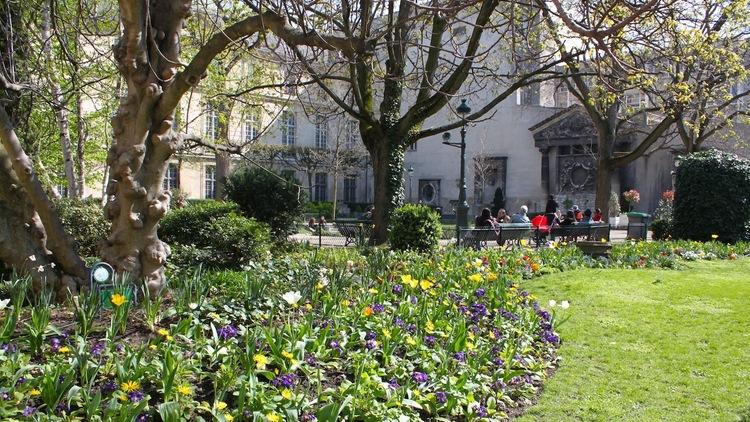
(632, 197)
(614, 208)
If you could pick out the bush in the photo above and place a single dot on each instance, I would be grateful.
(415, 227)
(320, 208)
(85, 222)
(268, 197)
(661, 229)
(213, 234)
(712, 197)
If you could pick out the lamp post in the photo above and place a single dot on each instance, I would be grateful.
(410, 171)
(462, 208)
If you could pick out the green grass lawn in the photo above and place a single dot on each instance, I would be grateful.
(650, 345)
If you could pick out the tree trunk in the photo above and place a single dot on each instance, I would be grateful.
(58, 105)
(387, 167)
(80, 148)
(603, 186)
(223, 166)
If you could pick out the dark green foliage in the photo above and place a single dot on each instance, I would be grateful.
(415, 227)
(661, 229)
(320, 208)
(712, 197)
(213, 234)
(85, 222)
(267, 197)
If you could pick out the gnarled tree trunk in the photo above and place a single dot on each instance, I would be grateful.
(387, 168)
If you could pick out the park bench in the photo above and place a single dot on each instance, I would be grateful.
(503, 234)
(354, 232)
(596, 231)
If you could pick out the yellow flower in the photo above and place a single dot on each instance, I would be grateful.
(491, 276)
(163, 332)
(373, 291)
(345, 303)
(168, 338)
(367, 311)
(228, 417)
(410, 341)
(407, 279)
(130, 386)
(714, 236)
(152, 347)
(386, 333)
(118, 299)
(535, 267)
(308, 307)
(185, 390)
(475, 277)
(35, 392)
(287, 355)
(273, 417)
(429, 327)
(221, 405)
(604, 240)
(64, 349)
(260, 361)
(470, 346)
(425, 284)
(286, 393)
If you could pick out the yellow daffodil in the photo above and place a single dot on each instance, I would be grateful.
(130, 386)
(373, 291)
(470, 346)
(221, 405)
(64, 349)
(152, 347)
(260, 361)
(228, 417)
(287, 355)
(386, 333)
(273, 417)
(475, 277)
(118, 299)
(410, 341)
(163, 332)
(308, 306)
(345, 303)
(429, 327)
(286, 393)
(184, 390)
(425, 284)
(491, 276)
(35, 392)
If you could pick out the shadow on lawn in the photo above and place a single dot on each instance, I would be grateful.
(745, 415)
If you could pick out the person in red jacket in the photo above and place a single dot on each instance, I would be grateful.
(597, 218)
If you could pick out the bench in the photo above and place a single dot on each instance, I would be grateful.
(503, 234)
(594, 232)
(354, 232)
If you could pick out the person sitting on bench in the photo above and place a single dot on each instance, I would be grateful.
(521, 217)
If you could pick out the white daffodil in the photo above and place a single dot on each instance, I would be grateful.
(552, 303)
(4, 304)
(292, 297)
(32, 258)
(565, 304)
(40, 269)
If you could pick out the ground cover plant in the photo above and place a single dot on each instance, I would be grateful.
(315, 335)
(650, 345)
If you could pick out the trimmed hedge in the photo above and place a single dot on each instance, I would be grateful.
(712, 197)
(415, 227)
(213, 234)
(85, 222)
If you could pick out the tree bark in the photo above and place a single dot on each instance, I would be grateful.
(603, 186)
(223, 167)
(387, 167)
(80, 148)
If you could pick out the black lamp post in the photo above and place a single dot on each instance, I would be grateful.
(462, 208)
(410, 170)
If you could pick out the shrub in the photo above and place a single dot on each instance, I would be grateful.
(268, 197)
(320, 208)
(712, 197)
(85, 222)
(415, 227)
(213, 234)
(661, 229)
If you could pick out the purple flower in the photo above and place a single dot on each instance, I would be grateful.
(371, 344)
(108, 387)
(285, 380)
(411, 328)
(498, 385)
(378, 308)
(550, 337)
(21, 380)
(29, 410)
(509, 315)
(479, 292)
(308, 417)
(334, 345)
(62, 408)
(393, 383)
(310, 360)
(119, 347)
(460, 356)
(481, 411)
(420, 377)
(397, 289)
(499, 362)
(544, 315)
(413, 300)
(135, 396)
(55, 344)
(441, 397)
(398, 322)
(4, 396)
(97, 349)
(370, 335)
(143, 417)
(429, 341)
(228, 331)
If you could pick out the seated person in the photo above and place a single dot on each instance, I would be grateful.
(502, 216)
(569, 220)
(557, 219)
(597, 218)
(485, 220)
(521, 217)
(312, 224)
(586, 217)
(577, 212)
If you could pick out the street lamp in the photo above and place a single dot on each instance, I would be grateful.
(462, 209)
(410, 170)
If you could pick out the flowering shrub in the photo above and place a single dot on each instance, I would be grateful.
(324, 335)
(632, 196)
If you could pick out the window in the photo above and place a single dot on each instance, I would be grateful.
(288, 128)
(636, 100)
(320, 190)
(211, 129)
(563, 98)
(210, 182)
(321, 133)
(252, 125)
(62, 190)
(350, 189)
(352, 133)
(170, 177)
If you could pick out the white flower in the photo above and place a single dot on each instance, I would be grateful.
(32, 258)
(552, 303)
(52, 265)
(292, 297)
(4, 304)
(565, 304)
(40, 269)
(193, 306)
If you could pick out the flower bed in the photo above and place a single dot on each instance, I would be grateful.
(313, 336)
